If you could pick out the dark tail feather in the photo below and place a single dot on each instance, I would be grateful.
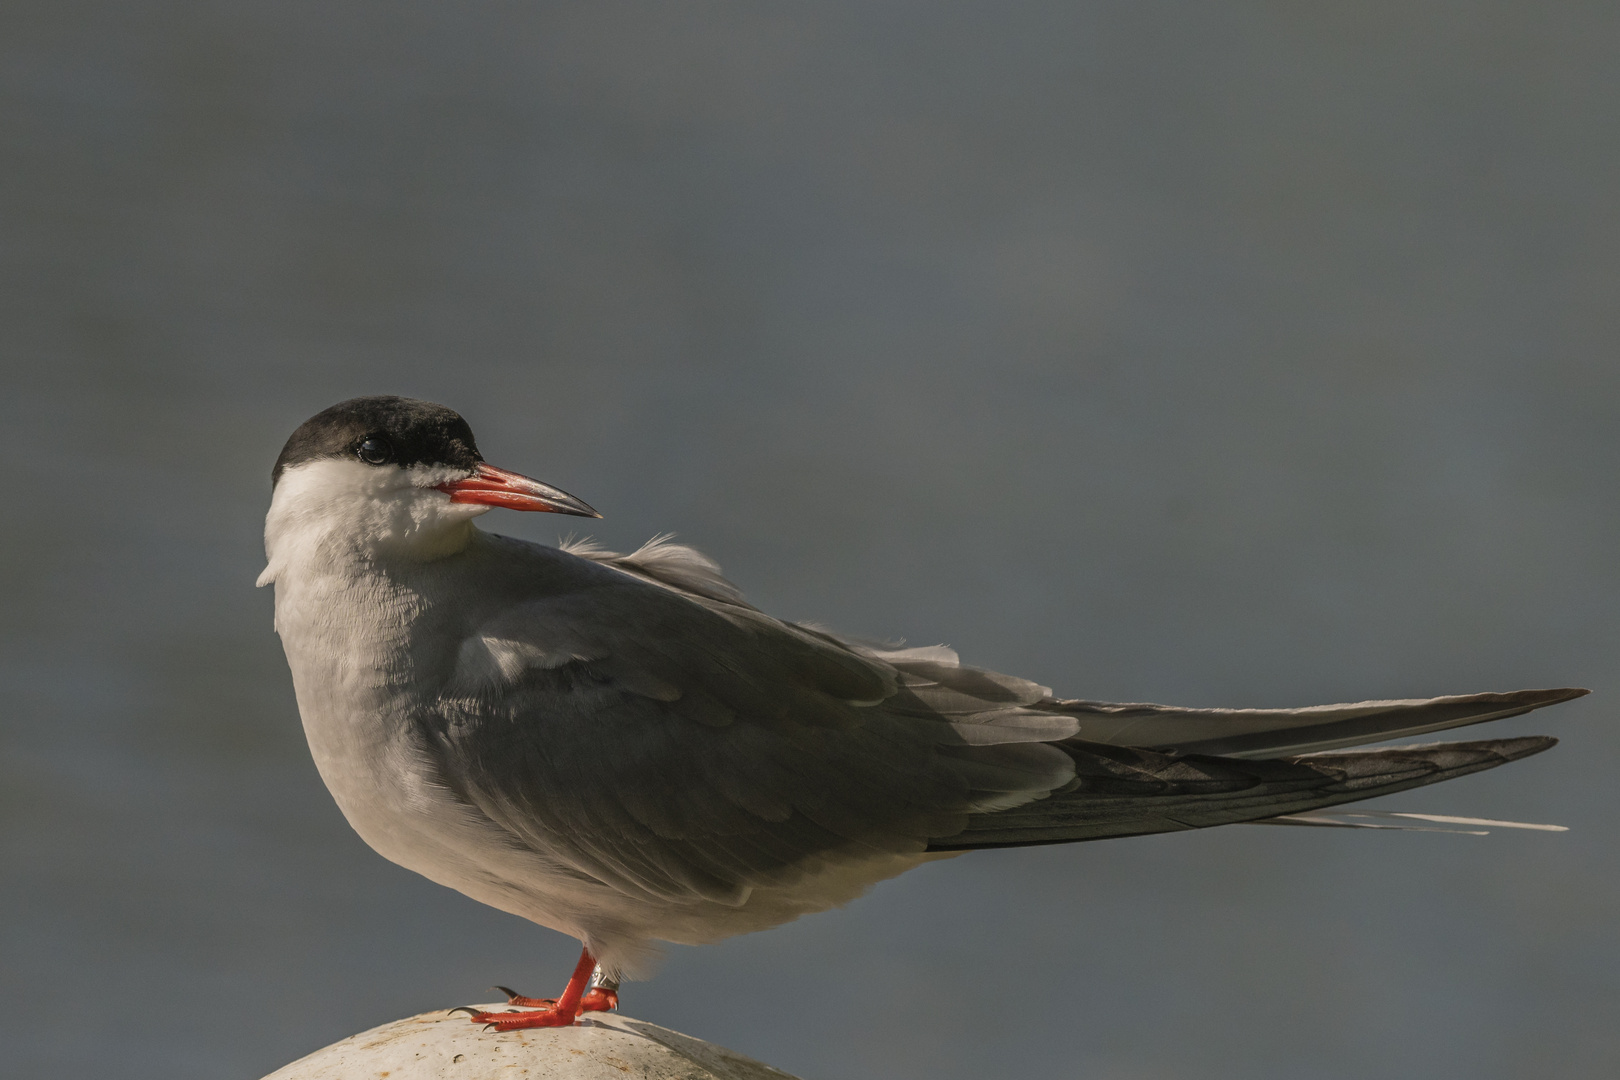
(1119, 791)
(1279, 733)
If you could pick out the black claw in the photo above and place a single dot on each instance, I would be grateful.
(507, 990)
(468, 1009)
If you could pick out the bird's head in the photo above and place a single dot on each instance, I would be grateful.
(395, 475)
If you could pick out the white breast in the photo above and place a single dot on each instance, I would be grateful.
(364, 655)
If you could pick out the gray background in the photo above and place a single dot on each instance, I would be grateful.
(1243, 354)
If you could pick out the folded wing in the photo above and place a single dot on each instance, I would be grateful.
(639, 724)
(679, 745)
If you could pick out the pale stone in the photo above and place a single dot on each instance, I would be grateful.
(606, 1046)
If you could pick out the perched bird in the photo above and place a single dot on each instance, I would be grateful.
(621, 748)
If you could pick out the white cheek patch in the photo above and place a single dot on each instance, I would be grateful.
(430, 476)
(422, 505)
(360, 506)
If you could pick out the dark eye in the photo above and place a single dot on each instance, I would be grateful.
(375, 451)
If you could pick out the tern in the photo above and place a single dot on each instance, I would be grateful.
(623, 749)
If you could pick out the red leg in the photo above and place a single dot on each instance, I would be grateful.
(559, 1013)
(603, 997)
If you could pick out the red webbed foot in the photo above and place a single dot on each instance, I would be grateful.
(599, 1000)
(522, 1002)
(529, 1018)
(551, 1012)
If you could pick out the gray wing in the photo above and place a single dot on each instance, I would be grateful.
(650, 730)
(678, 744)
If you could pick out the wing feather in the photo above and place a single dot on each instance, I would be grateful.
(633, 719)
(678, 745)
(1275, 733)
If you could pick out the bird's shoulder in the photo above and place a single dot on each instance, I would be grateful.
(661, 622)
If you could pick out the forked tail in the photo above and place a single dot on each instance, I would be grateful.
(1124, 791)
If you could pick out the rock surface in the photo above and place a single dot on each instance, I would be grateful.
(440, 1045)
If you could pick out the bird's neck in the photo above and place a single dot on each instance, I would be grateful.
(310, 541)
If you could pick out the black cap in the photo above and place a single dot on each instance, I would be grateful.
(382, 430)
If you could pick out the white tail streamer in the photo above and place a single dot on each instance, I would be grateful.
(1345, 821)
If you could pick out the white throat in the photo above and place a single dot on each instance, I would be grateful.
(335, 510)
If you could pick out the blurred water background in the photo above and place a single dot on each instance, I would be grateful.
(1241, 354)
